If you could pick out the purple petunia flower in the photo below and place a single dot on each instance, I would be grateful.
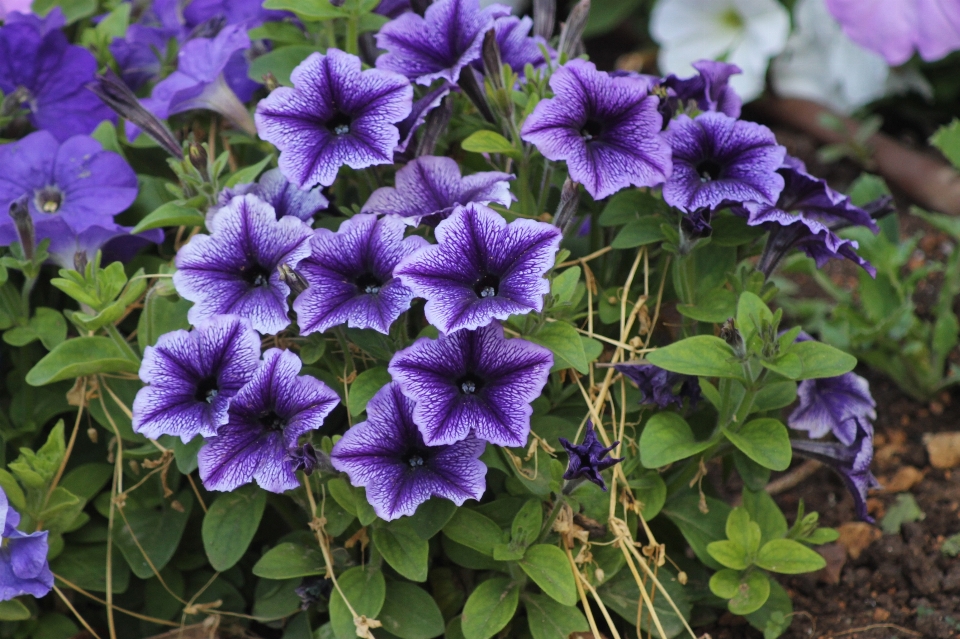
(439, 44)
(284, 196)
(48, 76)
(472, 381)
(429, 188)
(386, 455)
(23, 557)
(335, 115)
(234, 269)
(117, 244)
(835, 405)
(266, 419)
(350, 275)
(75, 183)
(709, 89)
(192, 376)
(719, 160)
(850, 460)
(249, 13)
(422, 107)
(607, 129)
(588, 459)
(481, 269)
(660, 387)
(517, 47)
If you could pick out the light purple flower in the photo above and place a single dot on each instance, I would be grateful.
(141, 52)
(517, 47)
(335, 115)
(249, 13)
(266, 419)
(481, 269)
(894, 28)
(234, 269)
(49, 75)
(386, 455)
(284, 196)
(429, 188)
(833, 405)
(709, 89)
(607, 129)
(718, 160)
(661, 387)
(74, 183)
(192, 376)
(115, 241)
(23, 557)
(472, 382)
(350, 275)
(589, 459)
(439, 44)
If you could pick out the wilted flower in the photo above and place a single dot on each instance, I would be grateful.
(835, 405)
(429, 188)
(23, 557)
(896, 27)
(661, 387)
(718, 160)
(439, 44)
(192, 376)
(481, 268)
(472, 382)
(49, 75)
(607, 129)
(589, 459)
(746, 33)
(284, 196)
(350, 275)
(234, 269)
(386, 455)
(265, 421)
(710, 89)
(335, 115)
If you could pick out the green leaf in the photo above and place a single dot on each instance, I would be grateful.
(73, 10)
(403, 549)
(729, 554)
(622, 595)
(650, 491)
(280, 62)
(951, 546)
(471, 529)
(776, 614)
(432, 516)
(699, 528)
(774, 396)
(161, 315)
(80, 356)
(12, 489)
(365, 386)
(489, 142)
(766, 513)
(410, 613)
(667, 438)
(640, 232)
(13, 610)
(765, 441)
(317, 10)
(752, 313)
(230, 524)
(702, 355)
(549, 620)
(526, 524)
(626, 206)
(275, 599)
(365, 589)
(607, 14)
(716, 307)
(289, 560)
(752, 591)
(947, 139)
(563, 340)
(822, 360)
(789, 557)
(564, 284)
(742, 531)
(489, 608)
(170, 214)
(85, 566)
(36, 469)
(157, 531)
(47, 325)
(249, 174)
(903, 510)
(549, 568)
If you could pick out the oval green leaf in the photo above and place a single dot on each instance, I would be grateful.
(703, 355)
(366, 590)
(789, 557)
(549, 568)
(667, 438)
(230, 524)
(765, 441)
(78, 357)
(403, 549)
(289, 560)
(489, 608)
(410, 613)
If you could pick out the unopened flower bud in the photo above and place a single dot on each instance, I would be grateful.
(544, 18)
(198, 158)
(471, 85)
(20, 212)
(569, 201)
(80, 261)
(573, 28)
(491, 59)
(732, 336)
(118, 96)
(270, 81)
(13, 101)
(436, 124)
(290, 277)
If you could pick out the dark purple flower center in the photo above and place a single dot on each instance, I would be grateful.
(271, 421)
(469, 384)
(709, 169)
(255, 274)
(48, 199)
(340, 123)
(487, 286)
(207, 390)
(368, 283)
(591, 129)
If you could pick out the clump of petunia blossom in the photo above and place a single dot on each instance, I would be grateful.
(661, 387)
(284, 196)
(23, 557)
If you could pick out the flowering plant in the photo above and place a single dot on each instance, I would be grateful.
(394, 363)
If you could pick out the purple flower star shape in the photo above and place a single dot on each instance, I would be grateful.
(284, 196)
(75, 183)
(481, 269)
(47, 75)
(429, 188)
(472, 381)
(588, 460)
(192, 376)
(387, 455)
(659, 386)
(350, 275)
(439, 44)
(607, 129)
(709, 89)
(266, 419)
(234, 269)
(335, 115)
(23, 557)
(718, 160)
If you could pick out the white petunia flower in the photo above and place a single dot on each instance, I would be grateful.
(822, 64)
(747, 33)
